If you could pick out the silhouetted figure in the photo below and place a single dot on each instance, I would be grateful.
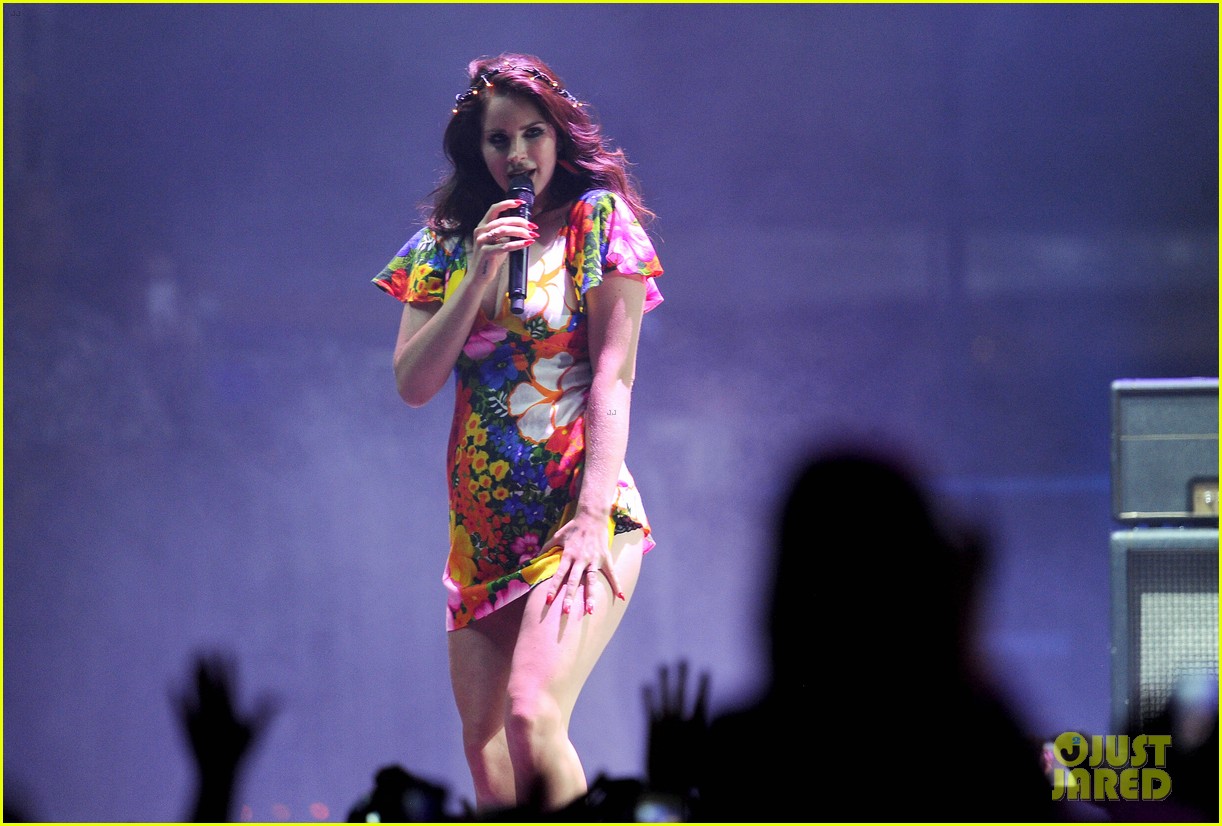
(876, 709)
(398, 796)
(220, 737)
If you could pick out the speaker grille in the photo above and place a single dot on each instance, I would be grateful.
(1179, 636)
(1167, 612)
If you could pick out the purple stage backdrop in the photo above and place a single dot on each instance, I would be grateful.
(941, 228)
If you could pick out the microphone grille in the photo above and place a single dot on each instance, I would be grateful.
(520, 186)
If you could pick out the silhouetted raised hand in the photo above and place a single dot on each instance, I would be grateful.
(220, 737)
(677, 739)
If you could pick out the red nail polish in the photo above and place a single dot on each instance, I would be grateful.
(621, 596)
(589, 609)
(565, 609)
(532, 225)
(550, 597)
(534, 235)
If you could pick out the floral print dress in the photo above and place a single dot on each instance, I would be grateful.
(516, 447)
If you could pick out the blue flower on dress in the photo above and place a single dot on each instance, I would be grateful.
(533, 513)
(507, 443)
(529, 475)
(498, 369)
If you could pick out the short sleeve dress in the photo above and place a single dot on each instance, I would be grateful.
(516, 448)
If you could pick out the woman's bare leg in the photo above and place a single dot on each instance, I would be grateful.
(480, 656)
(553, 657)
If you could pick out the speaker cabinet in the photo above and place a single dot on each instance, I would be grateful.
(1165, 451)
(1164, 617)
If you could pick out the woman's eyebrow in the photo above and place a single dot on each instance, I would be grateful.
(498, 130)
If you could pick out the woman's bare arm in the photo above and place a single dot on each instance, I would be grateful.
(615, 308)
(431, 337)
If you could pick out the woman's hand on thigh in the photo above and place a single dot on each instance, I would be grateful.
(585, 543)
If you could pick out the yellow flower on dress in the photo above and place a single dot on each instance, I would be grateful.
(462, 556)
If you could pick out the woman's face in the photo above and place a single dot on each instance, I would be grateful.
(516, 140)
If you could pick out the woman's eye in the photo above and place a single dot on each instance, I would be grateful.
(534, 132)
(497, 140)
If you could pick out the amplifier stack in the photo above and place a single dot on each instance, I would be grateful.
(1164, 551)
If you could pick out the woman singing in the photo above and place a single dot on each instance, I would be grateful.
(547, 529)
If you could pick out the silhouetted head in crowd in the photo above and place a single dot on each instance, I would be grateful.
(867, 577)
(874, 692)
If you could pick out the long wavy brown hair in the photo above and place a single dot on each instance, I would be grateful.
(584, 159)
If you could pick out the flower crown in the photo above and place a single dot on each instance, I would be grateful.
(485, 80)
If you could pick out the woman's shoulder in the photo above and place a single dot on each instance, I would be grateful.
(417, 271)
(595, 195)
(429, 240)
(594, 198)
(599, 206)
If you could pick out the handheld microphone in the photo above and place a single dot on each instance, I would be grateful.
(521, 188)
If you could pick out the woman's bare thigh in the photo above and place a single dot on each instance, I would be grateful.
(481, 655)
(556, 652)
